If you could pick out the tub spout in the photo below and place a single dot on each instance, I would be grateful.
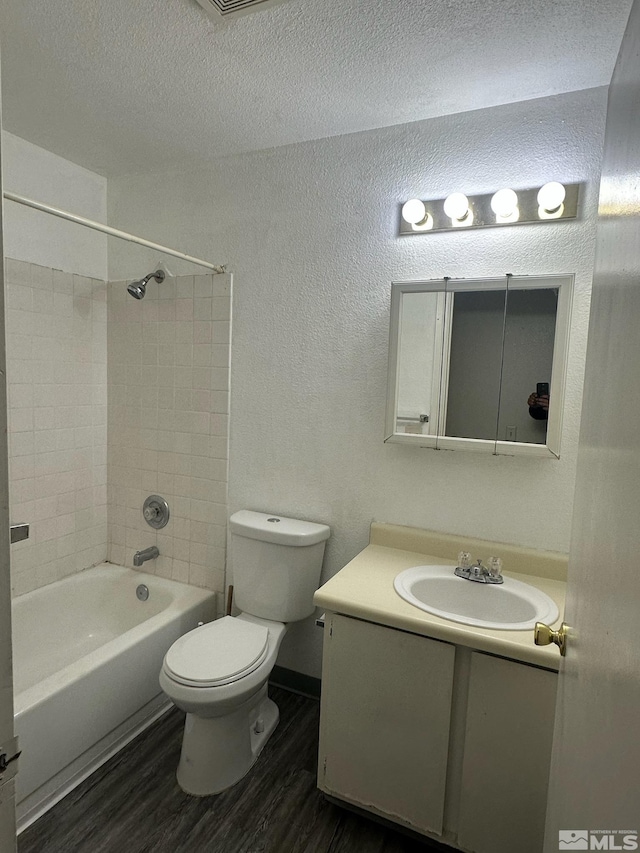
(141, 557)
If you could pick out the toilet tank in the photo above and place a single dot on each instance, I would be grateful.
(276, 564)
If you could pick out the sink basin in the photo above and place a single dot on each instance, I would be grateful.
(511, 606)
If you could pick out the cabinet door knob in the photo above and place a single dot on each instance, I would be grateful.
(543, 636)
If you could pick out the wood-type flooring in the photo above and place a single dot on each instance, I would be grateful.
(133, 804)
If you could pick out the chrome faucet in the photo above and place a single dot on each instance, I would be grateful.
(478, 572)
(141, 557)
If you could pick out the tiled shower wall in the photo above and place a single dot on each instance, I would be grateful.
(57, 384)
(168, 423)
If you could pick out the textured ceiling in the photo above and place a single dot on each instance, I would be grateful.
(123, 86)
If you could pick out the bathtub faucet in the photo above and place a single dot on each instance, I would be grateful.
(141, 557)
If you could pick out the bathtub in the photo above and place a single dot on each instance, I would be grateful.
(86, 656)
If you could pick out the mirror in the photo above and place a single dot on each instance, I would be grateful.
(479, 364)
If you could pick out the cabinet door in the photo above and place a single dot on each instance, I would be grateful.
(384, 727)
(507, 753)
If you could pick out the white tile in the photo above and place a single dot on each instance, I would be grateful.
(219, 379)
(219, 424)
(62, 282)
(220, 355)
(221, 308)
(167, 289)
(202, 286)
(82, 286)
(220, 331)
(21, 443)
(220, 402)
(203, 310)
(219, 446)
(21, 467)
(41, 277)
(21, 420)
(180, 571)
(18, 272)
(202, 355)
(184, 309)
(181, 549)
(19, 297)
(202, 332)
(163, 566)
(43, 302)
(221, 285)
(20, 395)
(46, 507)
(184, 287)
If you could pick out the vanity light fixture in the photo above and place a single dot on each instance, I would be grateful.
(506, 206)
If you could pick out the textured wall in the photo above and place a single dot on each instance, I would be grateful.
(57, 402)
(310, 233)
(168, 424)
(39, 237)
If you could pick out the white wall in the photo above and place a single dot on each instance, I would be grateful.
(310, 233)
(43, 239)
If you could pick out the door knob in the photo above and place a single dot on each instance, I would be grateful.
(543, 636)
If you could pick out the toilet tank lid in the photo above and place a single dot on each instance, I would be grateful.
(275, 528)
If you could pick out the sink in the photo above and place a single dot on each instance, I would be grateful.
(511, 606)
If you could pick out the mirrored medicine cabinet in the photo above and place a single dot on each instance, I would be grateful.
(479, 364)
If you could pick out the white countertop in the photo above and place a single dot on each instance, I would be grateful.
(364, 589)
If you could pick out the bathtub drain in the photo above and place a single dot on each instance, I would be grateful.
(142, 592)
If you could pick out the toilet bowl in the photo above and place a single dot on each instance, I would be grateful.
(218, 672)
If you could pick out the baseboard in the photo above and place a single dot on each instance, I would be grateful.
(296, 682)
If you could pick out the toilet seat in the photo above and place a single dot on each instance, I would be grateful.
(217, 653)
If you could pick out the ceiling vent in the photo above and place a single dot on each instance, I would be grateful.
(232, 8)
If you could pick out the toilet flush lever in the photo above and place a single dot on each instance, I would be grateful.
(19, 532)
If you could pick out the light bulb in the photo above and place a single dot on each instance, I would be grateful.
(414, 211)
(456, 206)
(504, 203)
(425, 225)
(551, 196)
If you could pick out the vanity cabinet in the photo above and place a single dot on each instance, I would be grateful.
(450, 742)
(507, 755)
(384, 725)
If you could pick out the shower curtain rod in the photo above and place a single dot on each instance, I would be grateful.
(112, 232)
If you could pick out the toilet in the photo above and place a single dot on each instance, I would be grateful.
(218, 672)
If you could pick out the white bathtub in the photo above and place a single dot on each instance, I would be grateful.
(87, 655)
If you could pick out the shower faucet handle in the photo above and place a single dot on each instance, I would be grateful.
(156, 511)
(151, 513)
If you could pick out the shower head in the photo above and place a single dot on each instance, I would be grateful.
(138, 288)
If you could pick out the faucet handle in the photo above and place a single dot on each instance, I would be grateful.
(494, 564)
(464, 560)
